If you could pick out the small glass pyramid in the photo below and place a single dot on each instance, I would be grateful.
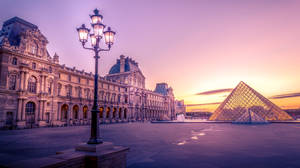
(243, 99)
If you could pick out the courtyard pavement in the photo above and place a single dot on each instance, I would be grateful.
(169, 145)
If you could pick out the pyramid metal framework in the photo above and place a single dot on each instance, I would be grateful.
(244, 98)
(249, 117)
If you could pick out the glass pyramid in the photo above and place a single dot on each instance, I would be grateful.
(244, 98)
(249, 117)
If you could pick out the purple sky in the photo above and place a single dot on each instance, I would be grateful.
(193, 45)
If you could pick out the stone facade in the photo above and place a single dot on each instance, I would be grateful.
(35, 90)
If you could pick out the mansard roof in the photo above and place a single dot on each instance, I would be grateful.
(161, 88)
(20, 21)
(116, 68)
(130, 65)
(13, 28)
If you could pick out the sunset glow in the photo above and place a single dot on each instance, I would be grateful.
(194, 46)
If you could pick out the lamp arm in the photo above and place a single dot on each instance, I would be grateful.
(83, 45)
(106, 49)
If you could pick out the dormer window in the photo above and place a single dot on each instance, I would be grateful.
(14, 61)
(33, 65)
(34, 49)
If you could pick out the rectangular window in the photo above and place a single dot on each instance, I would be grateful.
(15, 61)
(33, 65)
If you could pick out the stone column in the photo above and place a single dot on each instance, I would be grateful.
(58, 111)
(19, 113)
(104, 112)
(90, 112)
(25, 81)
(111, 113)
(44, 86)
(40, 111)
(122, 113)
(21, 86)
(119, 112)
(23, 110)
(80, 115)
(41, 84)
(43, 110)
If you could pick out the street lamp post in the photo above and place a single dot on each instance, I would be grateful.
(95, 37)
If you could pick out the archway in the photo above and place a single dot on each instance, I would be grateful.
(107, 112)
(75, 112)
(114, 112)
(64, 112)
(101, 112)
(120, 113)
(30, 114)
(85, 112)
(125, 113)
(9, 119)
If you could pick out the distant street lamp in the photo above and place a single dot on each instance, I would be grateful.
(96, 36)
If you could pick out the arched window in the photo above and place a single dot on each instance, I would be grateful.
(12, 82)
(14, 61)
(32, 82)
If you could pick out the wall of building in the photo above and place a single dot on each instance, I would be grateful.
(35, 90)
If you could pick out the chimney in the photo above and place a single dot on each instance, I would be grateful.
(56, 58)
(122, 63)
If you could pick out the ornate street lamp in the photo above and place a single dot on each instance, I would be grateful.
(98, 32)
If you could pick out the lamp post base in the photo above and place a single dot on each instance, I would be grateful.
(84, 155)
(94, 147)
(95, 141)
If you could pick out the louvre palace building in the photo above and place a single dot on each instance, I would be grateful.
(36, 90)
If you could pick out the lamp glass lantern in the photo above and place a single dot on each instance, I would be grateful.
(96, 18)
(83, 33)
(93, 40)
(98, 29)
(109, 36)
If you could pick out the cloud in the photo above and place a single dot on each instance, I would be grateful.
(203, 104)
(212, 92)
(283, 96)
